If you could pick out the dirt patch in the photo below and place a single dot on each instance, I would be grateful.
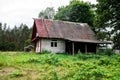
(32, 74)
(6, 71)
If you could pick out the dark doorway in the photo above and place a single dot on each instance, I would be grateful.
(69, 47)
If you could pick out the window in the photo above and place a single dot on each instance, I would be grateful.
(54, 43)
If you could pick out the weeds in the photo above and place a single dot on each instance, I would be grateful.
(60, 66)
(16, 73)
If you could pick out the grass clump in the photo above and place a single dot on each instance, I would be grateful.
(32, 60)
(16, 73)
(51, 59)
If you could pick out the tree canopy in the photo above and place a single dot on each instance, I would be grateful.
(76, 11)
(108, 21)
(48, 13)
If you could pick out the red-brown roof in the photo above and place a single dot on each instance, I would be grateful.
(62, 29)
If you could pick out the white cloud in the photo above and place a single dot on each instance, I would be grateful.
(15, 12)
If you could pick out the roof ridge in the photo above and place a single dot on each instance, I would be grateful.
(62, 21)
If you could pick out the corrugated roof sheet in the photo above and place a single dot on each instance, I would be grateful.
(65, 30)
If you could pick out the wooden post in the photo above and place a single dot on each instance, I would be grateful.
(40, 46)
(106, 46)
(96, 48)
(85, 48)
(73, 48)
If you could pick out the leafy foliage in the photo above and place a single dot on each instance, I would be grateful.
(48, 13)
(108, 21)
(76, 11)
(108, 52)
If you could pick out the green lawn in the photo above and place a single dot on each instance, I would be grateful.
(31, 66)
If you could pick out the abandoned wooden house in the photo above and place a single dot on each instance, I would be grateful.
(62, 36)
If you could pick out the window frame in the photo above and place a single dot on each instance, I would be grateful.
(54, 43)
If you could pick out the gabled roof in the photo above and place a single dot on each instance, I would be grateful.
(80, 32)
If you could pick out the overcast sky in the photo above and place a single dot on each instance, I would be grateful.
(15, 12)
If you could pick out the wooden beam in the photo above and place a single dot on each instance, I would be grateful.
(73, 48)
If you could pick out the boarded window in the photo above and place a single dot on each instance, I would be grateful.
(54, 43)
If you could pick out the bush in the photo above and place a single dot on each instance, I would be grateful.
(108, 52)
(104, 61)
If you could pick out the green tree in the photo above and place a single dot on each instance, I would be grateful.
(48, 13)
(76, 11)
(1, 32)
(108, 21)
(14, 39)
(23, 33)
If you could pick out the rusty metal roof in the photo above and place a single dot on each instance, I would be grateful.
(63, 29)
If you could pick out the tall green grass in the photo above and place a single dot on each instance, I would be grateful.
(58, 66)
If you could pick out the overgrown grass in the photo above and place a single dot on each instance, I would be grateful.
(31, 66)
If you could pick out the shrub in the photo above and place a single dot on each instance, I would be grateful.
(79, 54)
(108, 52)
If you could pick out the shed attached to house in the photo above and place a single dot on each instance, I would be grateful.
(62, 36)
